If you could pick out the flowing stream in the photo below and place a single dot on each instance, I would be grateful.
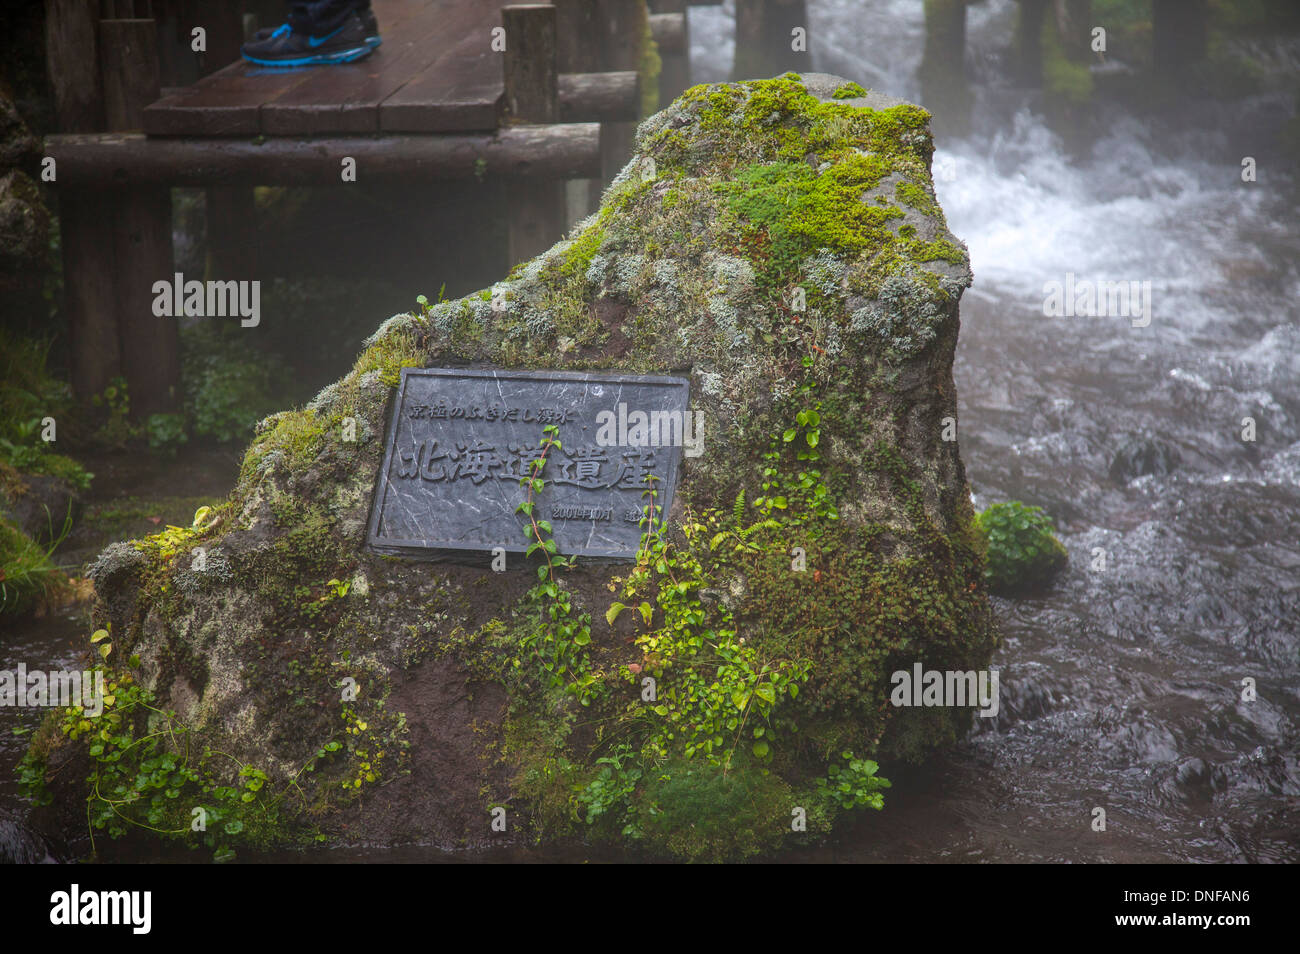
(1122, 687)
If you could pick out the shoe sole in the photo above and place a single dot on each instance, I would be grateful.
(321, 59)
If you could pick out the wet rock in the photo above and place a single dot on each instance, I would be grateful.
(42, 506)
(19, 845)
(1140, 456)
(24, 223)
(18, 146)
(690, 270)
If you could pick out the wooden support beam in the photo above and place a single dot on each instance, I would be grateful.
(150, 345)
(620, 39)
(72, 63)
(578, 51)
(674, 51)
(944, 89)
(232, 233)
(89, 290)
(142, 217)
(129, 71)
(223, 25)
(764, 38)
(577, 28)
(1179, 36)
(530, 62)
(599, 97)
(567, 151)
(1029, 40)
(669, 32)
(536, 210)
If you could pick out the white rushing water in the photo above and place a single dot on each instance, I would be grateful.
(1122, 687)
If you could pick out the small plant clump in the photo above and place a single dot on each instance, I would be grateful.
(1023, 552)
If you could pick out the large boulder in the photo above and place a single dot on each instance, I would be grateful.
(779, 244)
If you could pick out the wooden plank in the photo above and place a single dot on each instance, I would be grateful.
(558, 151)
(346, 98)
(462, 90)
(228, 103)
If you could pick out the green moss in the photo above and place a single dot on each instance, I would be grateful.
(849, 91)
(792, 211)
(696, 813)
(297, 436)
(919, 198)
(389, 354)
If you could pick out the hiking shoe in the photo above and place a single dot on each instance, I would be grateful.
(367, 20)
(285, 46)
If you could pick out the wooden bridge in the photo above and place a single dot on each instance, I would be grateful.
(529, 94)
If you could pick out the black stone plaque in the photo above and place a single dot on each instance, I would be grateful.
(460, 440)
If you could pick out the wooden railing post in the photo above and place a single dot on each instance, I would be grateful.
(670, 27)
(535, 210)
(764, 39)
(149, 345)
(620, 45)
(944, 89)
(72, 62)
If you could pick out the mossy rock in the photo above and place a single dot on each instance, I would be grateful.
(782, 248)
(1022, 552)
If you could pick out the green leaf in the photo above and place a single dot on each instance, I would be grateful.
(613, 612)
(98, 635)
(647, 612)
(766, 692)
(761, 749)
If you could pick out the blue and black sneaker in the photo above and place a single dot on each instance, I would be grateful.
(285, 46)
(367, 20)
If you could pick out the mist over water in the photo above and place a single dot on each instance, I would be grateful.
(1121, 688)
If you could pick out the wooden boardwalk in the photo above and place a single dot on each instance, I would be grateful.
(434, 72)
(435, 102)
